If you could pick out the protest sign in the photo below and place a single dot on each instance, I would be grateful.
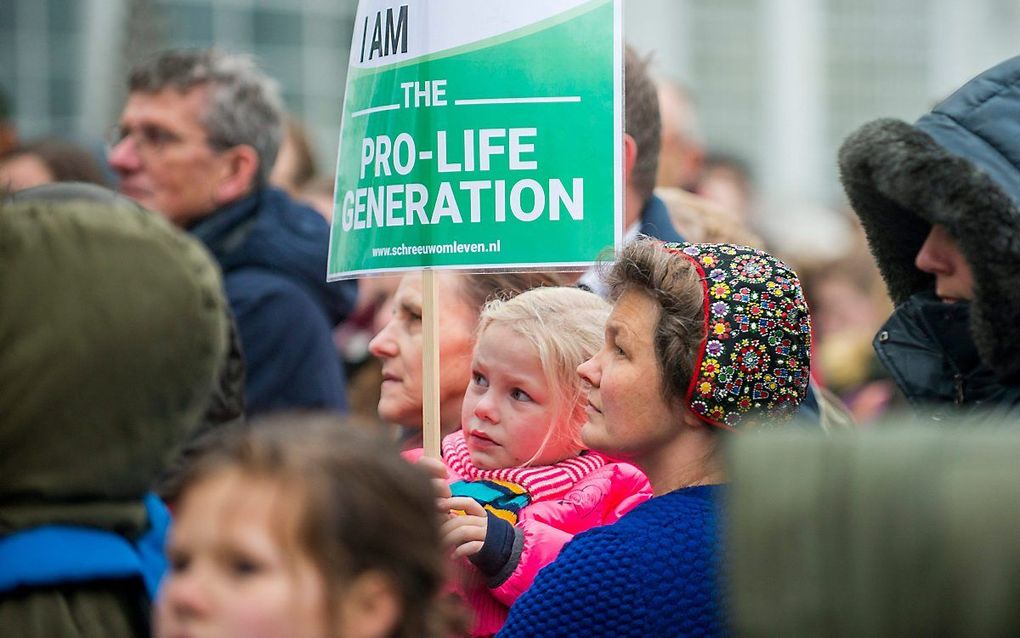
(479, 135)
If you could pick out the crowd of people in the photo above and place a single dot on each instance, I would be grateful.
(202, 437)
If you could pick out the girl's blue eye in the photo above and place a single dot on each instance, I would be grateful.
(479, 379)
(519, 395)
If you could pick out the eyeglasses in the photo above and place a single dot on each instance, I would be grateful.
(146, 137)
(150, 138)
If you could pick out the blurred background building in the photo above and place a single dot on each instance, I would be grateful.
(778, 83)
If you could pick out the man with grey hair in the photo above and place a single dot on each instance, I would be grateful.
(195, 142)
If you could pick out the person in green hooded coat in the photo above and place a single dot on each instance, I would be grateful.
(902, 531)
(114, 334)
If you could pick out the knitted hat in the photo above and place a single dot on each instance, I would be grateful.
(958, 166)
(113, 330)
(753, 365)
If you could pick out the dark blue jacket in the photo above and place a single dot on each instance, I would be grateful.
(655, 221)
(927, 349)
(273, 253)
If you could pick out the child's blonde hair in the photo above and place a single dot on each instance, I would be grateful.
(565, 325)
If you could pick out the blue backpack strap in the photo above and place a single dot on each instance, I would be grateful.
(53, 554)
(150, 545)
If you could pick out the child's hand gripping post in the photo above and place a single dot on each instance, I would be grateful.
(465, 530)
(436, 469)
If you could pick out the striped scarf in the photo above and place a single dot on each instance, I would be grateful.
(505, 491)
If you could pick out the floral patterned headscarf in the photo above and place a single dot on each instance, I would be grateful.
(753, 365)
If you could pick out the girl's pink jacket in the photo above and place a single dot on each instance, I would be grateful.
(566, 499)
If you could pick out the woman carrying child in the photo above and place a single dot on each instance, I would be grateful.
(704, 340)
(521, 482)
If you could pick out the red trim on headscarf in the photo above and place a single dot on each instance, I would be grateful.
(705, 311)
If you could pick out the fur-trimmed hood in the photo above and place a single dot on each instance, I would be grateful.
(958, 166)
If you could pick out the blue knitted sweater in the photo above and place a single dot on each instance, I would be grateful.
(652, 573)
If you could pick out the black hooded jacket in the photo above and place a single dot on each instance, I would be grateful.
(958, 166)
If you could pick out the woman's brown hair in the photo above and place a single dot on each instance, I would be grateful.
(675, 287)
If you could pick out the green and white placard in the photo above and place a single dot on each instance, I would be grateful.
(479, 135)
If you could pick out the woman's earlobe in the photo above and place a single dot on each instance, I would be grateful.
(692, 420)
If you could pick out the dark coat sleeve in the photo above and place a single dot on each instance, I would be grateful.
(287, 340)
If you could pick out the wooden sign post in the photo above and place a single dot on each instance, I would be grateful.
(430, 363)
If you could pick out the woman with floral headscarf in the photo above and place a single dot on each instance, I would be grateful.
(703, 340)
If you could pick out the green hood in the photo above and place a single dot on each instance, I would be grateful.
(113, 330)
(893, 532)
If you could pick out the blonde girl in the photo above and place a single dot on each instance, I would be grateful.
(521, 483)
